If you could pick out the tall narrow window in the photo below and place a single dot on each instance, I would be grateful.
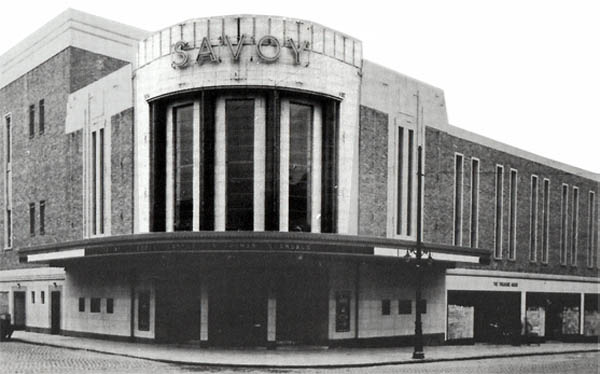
(399, 180)
(31, 121)
(533, 219)
(32, 219)
(499, 207)
(144, 311)
(458, 198)
(183, 167)
(409, 181)
(563, 223)
(7, 182)
(94, 185)
(42, 217)
(101, 182)
(590, 229)
(574, 226)
(42, 115)
(239, 130)
(545, 220)
(474, 203)
(512, 239)
(301, 118)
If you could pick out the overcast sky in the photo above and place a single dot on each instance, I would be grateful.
(526, 73)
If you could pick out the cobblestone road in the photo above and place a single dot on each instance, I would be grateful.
(25, 358)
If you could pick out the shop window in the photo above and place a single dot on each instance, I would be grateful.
(95, 305)
(458, 198)
(144, 311)
(499, 211)
(110, 306)
(385, 307)
(474, 203)
(82, 304)
(404, 306)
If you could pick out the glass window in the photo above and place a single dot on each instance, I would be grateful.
(458, 198)
(499, 207)
(42, 217)
(409, 182)
(33, 297)
(404, 307)
(144, 311)
(474, 203)
(43, 297)
(533, 224)
(563, 224)
(512, 237)
(590, 229)
(184, 167)
(545, 220)
(239, 130)
(574, 226)
(32, 219)
(301, 117)
(31, 121)
(399, 180)
(82, 304)
(385, 307)
(42, 116)
(95, 305)
(110, 305)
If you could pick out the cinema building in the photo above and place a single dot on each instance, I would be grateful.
(252, 181)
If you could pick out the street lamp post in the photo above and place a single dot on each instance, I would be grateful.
(418, 349)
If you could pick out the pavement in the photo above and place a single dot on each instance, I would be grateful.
(298, 357)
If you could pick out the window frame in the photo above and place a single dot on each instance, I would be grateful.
(533, 217)
(458, 200)
(474, 224)
(498, 212)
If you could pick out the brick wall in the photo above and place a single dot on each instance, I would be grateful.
(48, 166)
(439, 204)
(122, 172)
(373, 160)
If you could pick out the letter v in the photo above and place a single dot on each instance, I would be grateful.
(240, 45)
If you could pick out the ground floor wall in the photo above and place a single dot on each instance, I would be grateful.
(504, 306)
(32, 296)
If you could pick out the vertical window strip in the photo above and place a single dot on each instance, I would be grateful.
(590, 229)
(563, 224)
(42, 217)
(101, 182)
(409, 182)
(42, 115)
(574, 226)
(533, 222)
(7, 182)
(94, 184)
(514, 182)
(499, 209)
(31, 121)
(32, 219)
(545, 220)
(458, 198)
(474, 203)
(399, 179)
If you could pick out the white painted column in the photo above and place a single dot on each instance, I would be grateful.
(284, 166)
(523, 311)
(170, 191)
(582, 314)
(259, 163)
(271, 317)
(220, 171)
(315, 188)
(196, 167)
(204, 311)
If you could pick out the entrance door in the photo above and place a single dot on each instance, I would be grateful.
(238, 309)
(55, 312)
(19, 310)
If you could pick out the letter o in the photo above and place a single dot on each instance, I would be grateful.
(272, 40)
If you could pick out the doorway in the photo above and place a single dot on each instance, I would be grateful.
(19, 310)
(55, 312)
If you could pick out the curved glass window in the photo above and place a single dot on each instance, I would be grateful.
(183, 167)
(300, 167)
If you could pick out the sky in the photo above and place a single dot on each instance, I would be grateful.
(525, 73)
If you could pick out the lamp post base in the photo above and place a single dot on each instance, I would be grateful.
(418, 355)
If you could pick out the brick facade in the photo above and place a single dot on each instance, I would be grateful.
(122, 172)
(48, 166)
(439, 204)
(373, 159)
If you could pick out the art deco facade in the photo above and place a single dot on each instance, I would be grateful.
(252, 180)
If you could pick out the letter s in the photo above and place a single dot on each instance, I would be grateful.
(179, 57)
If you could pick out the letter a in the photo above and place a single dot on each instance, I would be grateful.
(206, 52)
(240, 45)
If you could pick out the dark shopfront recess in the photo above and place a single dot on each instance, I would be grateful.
(496, 314)
(558, 307)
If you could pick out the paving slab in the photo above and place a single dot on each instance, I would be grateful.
(298, 357)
